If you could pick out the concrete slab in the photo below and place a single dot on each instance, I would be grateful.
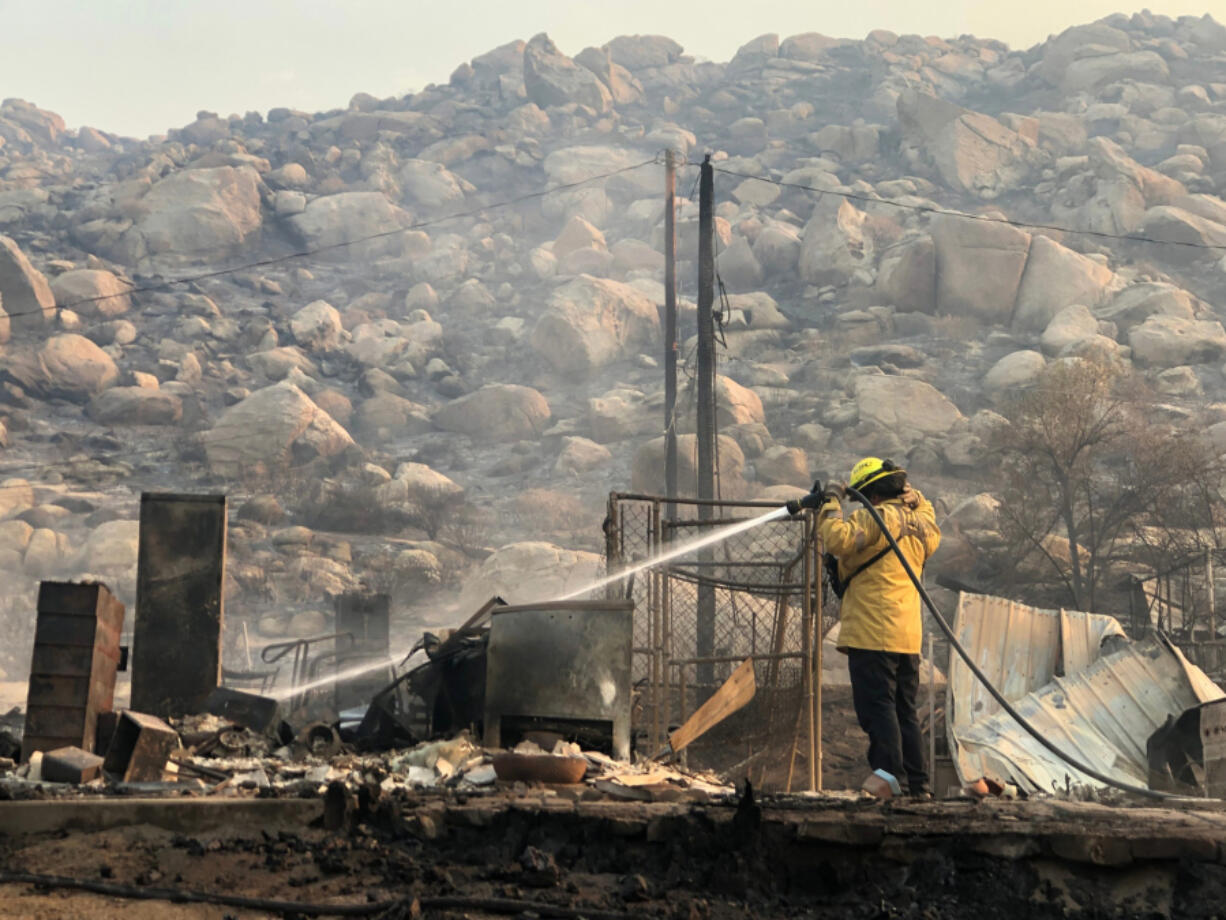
(186, 816)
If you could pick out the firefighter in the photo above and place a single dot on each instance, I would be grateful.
(881, 625)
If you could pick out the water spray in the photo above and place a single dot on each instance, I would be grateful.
(674, 551)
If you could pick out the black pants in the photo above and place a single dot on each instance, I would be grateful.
(883, 689)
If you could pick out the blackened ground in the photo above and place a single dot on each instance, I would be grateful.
(789, 858)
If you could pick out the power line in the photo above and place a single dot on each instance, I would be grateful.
(985, 218)
(307, 253)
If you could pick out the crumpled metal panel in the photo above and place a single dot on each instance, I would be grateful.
(1020, 649)
(1102, 715)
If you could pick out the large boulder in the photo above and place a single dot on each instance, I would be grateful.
(737, 405)
(647, 469)
(973, 152)
(580, 455)
(1070, 325)
(622, 413)
(528, 572)
(1171, 341)
(430, 185)
(777, 248)
(385, 416)
(339, 220)
(197, 215)
(1091, 73)
(551, 78)
(1017, 371)
(979, 267)
(623, 87)
(1090, 40)
(317, 326)
(590, 322)
(738, 266)
(1054, 278)
(835, 245)
(638, 52)
(1122, 191)
(136, 406)
(578, 234)
(1176, 225)
(581, 163)
(780, 465)
(907, 275)
(1136, 304)
(496, 412)
(271, 429)
(418, 486)
(92, 292)
(110, 546)
(24, 293)
(16, 496)
(904, 405)
(74, 367)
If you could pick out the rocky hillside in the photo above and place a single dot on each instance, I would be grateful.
(482, 365)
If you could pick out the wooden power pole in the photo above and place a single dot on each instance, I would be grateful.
(670, 334)
(706, 413)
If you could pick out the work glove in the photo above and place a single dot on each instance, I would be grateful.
(911, 498)
(814, 499)
(835, 490)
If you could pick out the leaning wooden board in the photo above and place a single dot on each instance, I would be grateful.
(735, 693)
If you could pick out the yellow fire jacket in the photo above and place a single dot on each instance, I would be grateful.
(881, 609)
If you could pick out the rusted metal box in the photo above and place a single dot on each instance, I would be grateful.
(365, 617)
(176, 643)
(72, 671)
(139, 748)
(560, 665)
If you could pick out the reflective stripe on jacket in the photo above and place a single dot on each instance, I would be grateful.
(881, 609)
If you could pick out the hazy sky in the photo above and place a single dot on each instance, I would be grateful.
(139, 67)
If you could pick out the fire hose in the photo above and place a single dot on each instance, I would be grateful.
(983, 679)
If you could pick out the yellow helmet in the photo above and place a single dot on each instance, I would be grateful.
(870, 469)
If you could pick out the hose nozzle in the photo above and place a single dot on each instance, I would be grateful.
(812, 500)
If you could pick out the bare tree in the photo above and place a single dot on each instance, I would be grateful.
(1091, 480)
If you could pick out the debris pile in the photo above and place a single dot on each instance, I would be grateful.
(210, 755)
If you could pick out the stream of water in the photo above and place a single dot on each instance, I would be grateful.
(674, 551)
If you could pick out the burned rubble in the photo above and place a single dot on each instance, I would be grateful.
(282, 393)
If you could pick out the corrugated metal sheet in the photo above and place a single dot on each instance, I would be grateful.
(1020, 649)
(1102, 715)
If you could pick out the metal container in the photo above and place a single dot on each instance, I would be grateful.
(176, 655)
(563, 665)
(139, 748)
(72, 671)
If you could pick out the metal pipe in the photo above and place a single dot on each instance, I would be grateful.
(806, 646)
(729, 659)
(731, 503)
(819, 638)
(932, 711)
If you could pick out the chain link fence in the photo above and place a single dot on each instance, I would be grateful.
(754, 595)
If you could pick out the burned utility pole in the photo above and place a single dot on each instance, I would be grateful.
(670, 333)
(706, 412)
